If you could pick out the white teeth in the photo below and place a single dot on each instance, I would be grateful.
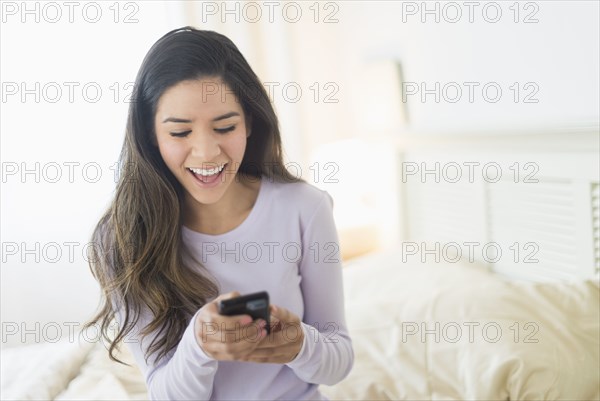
(207, 172)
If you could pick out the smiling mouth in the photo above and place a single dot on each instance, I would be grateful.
(207, 175)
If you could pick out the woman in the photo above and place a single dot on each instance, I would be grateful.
(204, 206)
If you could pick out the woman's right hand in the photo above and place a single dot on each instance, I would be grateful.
(227, 338)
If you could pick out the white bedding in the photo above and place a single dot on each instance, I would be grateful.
(385, 299)
(68, 371)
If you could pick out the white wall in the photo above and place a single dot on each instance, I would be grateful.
(559, 54)
(53, 206)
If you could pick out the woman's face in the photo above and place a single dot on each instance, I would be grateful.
(201, 134)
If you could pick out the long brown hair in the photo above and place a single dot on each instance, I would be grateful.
(139, 256)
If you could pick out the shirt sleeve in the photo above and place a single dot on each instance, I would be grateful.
(326, 356)
(185, 373)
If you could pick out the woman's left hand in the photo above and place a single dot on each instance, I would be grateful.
(285, 341)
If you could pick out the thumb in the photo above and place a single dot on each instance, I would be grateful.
(281, 314)
(229, 295)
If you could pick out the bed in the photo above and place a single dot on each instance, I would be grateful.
(420, 331)
(454, 328)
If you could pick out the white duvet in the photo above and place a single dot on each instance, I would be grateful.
(68, 371)
(548, 347)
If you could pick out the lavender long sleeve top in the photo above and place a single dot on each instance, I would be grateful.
(287, 246)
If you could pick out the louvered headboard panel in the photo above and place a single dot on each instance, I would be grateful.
(528, 214)
(536, 226)
(442, 213)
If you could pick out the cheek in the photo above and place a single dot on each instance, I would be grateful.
(172, 153)
(237, 146)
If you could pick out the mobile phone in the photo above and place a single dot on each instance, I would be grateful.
(255, 305)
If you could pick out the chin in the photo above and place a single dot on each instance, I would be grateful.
(207, 198)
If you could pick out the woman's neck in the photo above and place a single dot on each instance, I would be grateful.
(226, 214)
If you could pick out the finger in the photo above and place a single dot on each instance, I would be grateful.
(212, 318)
(229, 323)
(230, 329)
(275, 317)
(252, 333)
(228, 295)
(282, 314)
(288, 331)
(213, 305)
(239, 343)
(275, 324)
(277, 345)
(274, 340)
(235, 343)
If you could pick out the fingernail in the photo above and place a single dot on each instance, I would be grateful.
(246, 320)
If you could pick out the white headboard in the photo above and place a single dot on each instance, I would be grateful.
(542, 213)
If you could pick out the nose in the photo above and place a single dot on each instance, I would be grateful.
(206, 147)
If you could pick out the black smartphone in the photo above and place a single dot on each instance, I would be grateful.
(255, 305)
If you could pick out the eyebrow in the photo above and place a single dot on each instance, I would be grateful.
(183, 120)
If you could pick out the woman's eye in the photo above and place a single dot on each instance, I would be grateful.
(180, 134)
(225, 130)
